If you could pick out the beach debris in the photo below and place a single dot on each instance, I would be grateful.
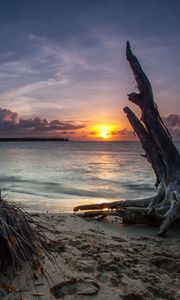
(23, 244)
(118, 239)
(9, 288)
(160, 151)
(38, 294)
(38, 267)
(75, 287)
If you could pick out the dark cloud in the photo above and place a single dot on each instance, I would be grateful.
(123, 132)
(12, 125)
(173, 124)
(94, 132)
(8, 117)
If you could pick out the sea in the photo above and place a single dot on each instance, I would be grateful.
(57, 176)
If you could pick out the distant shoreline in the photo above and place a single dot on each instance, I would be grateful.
(29, 139)
(32, 139)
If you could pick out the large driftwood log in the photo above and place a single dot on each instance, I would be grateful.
(160, 152)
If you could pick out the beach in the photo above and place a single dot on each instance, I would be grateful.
(93, 259)
(102, 260)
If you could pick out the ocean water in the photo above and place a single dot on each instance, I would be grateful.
(56, 176)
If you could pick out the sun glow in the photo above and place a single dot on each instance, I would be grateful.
(104, 131)
(105, 134)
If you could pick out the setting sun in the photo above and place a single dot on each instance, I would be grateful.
(105, 134)
(103, 131)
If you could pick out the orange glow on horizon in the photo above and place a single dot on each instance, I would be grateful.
(106, 131)
(103, 131)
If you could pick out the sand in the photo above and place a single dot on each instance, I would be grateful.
(103, 260)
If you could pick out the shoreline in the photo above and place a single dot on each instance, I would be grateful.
(104, 260)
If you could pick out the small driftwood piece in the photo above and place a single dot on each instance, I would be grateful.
(160, 151)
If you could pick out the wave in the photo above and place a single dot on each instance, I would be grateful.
(110, 189)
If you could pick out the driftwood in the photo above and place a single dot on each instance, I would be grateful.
(160, 152)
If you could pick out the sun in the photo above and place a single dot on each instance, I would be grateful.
(105, 134)
(103, 131)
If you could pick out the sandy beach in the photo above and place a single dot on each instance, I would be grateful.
(102, 260)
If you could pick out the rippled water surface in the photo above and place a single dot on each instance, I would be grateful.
(56, 176)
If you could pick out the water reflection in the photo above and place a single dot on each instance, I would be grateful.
(59, 176)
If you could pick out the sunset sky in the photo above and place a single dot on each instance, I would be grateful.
(63, 70)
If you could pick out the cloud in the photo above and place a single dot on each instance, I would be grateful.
(173, 124)
(87, 74)
(12, 125)
(72, 76)
(172, 120)
(8, 117)
(123, 132)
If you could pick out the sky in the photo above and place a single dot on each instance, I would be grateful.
(63, 69)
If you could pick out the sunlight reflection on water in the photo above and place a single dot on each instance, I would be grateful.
(57, 176)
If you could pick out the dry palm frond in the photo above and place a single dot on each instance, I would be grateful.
(21, 237)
